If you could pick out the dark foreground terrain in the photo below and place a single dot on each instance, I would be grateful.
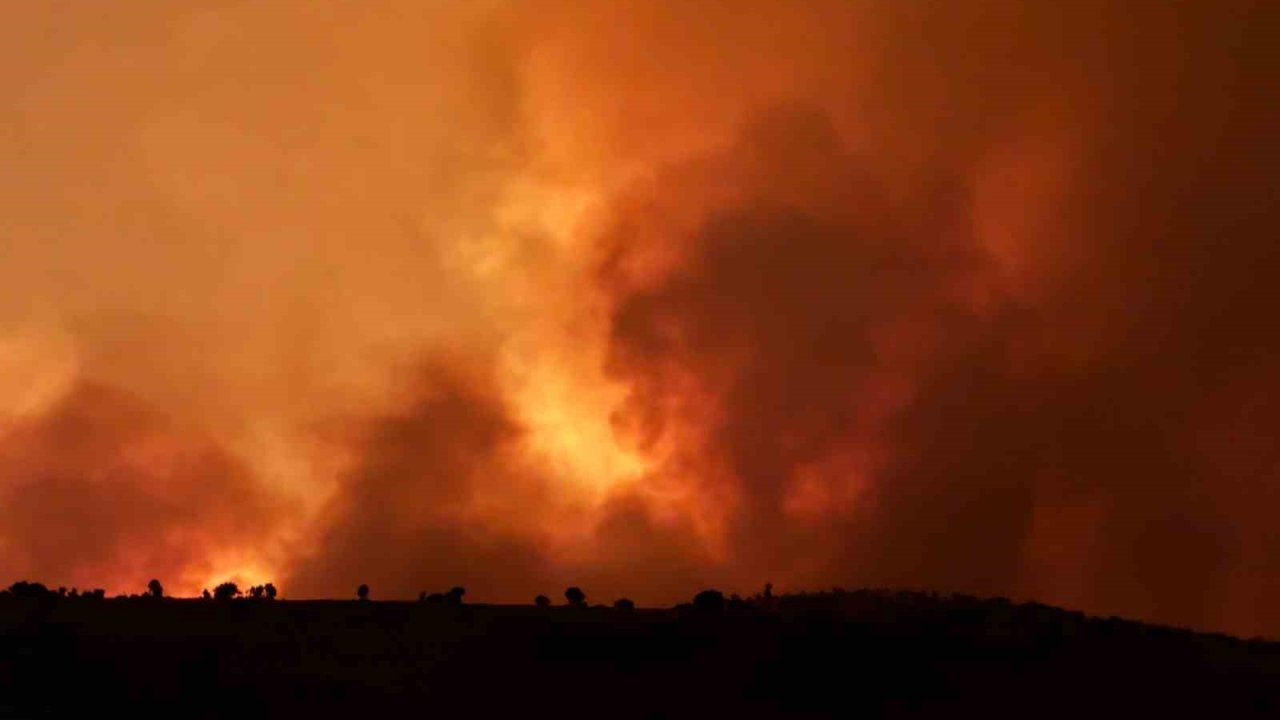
(860, 654)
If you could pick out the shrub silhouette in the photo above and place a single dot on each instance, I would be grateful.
(270, 590)
(624, 604)
(22, 588)
(205, 595)
(542, 601)
(709, 601)
(454, 596)
(362, 592)
(226, 591)
(155, 589)
(576, 597)
(255, 592)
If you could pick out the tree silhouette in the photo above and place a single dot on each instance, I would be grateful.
(206, 594)
(22, 588)
(270, 591)
(226, 591)
(624, 604)
(155, 589)
(709, 601)
(362, 592)
(576, 597)
(256, 591)
(455, 594)
(542, 601)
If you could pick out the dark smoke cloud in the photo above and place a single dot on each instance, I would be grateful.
(1050, 443)
(104, 490)
(409, 516)
(638, 554)
(442, 493)
(776, 312)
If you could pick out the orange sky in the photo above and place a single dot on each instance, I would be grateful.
(645, 297)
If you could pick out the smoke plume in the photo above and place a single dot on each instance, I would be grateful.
(645, 297)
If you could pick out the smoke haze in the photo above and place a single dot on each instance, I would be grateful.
(645, 297)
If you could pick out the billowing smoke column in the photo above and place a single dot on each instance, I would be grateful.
(643, 297)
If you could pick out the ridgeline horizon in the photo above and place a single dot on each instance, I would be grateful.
(709, 600)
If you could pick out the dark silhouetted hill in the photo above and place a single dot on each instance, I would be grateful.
(848, 654)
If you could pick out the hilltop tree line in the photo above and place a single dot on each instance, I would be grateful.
(574, 596)
(854, 653)
(706, 601)
(997, 617)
